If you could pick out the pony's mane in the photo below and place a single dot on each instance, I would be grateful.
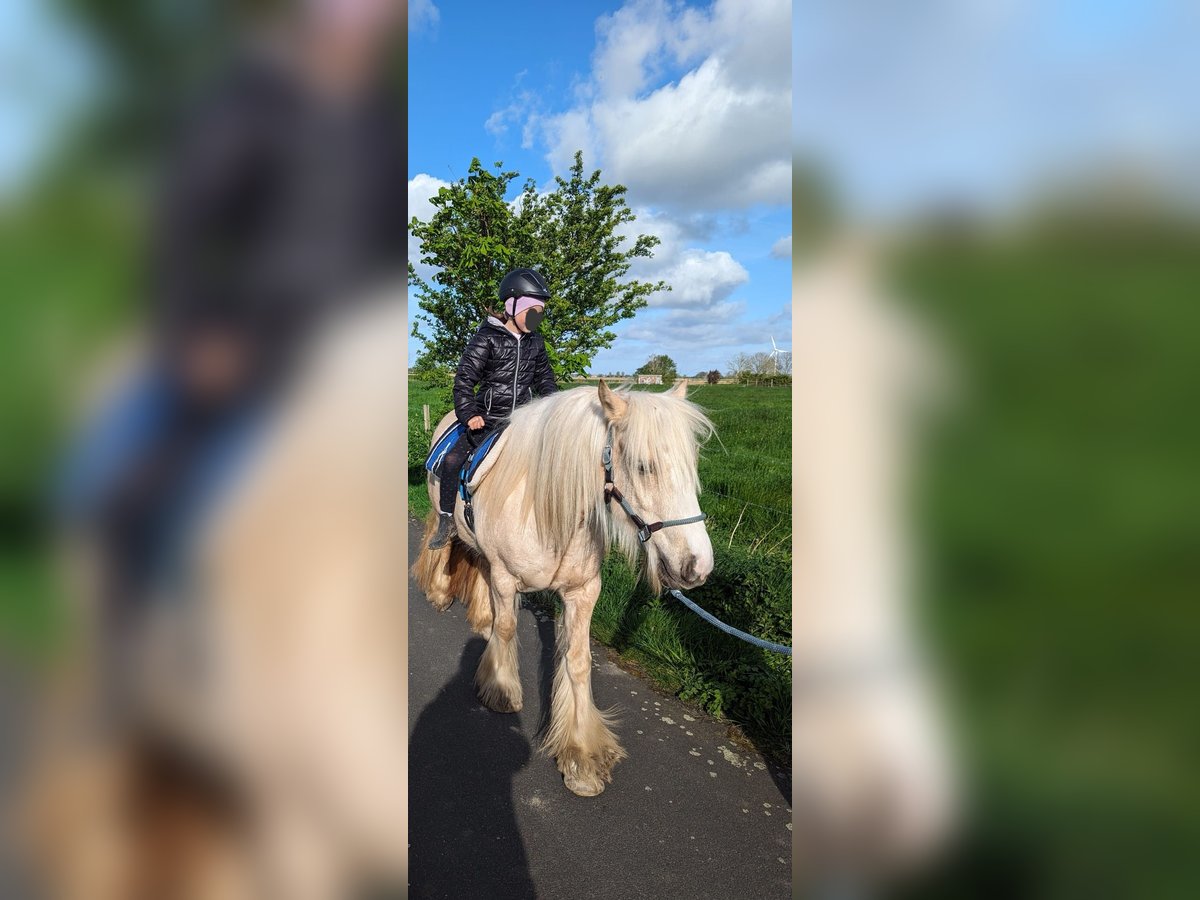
(555, 444)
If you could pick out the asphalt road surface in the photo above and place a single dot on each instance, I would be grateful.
(689, 814)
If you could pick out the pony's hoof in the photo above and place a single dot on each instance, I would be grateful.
(501, 703)
(583, 787)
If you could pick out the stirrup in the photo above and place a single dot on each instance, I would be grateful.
(445, 532)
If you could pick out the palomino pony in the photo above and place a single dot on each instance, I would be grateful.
(271, 674)
(542, 522)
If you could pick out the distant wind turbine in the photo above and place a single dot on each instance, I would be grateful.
(775, 353)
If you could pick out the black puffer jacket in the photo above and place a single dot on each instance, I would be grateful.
(508, 371)
(274, 210)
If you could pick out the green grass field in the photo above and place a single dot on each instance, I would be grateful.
(745, 472)
(1060, 515)
(68, 267)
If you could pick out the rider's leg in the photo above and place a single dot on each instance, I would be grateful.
(448, 490)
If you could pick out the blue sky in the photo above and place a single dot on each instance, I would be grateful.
(47, 75)
(687, 105)
(988, 101)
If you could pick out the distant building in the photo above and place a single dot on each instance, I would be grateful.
(649, 379)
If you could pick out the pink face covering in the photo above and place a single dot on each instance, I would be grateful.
(356, 14)
(515, 305)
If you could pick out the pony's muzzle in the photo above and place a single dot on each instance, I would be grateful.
(692, 572)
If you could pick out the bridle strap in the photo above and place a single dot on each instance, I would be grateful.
(644, 530)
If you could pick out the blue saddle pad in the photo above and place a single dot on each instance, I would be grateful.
(477, 456)
(114, 438)
(433, 462)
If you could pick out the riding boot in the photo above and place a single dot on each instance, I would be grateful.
(445, 531)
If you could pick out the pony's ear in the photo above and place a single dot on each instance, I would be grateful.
(613, 404)
(680, 388)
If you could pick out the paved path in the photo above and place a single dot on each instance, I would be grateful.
(688, 814)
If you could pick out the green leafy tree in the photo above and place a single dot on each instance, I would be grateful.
(570, 235)
(659, 364)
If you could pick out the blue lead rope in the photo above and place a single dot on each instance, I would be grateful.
(729, 629)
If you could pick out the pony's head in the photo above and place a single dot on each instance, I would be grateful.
(655, 441)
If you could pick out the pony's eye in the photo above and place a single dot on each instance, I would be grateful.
(645, 468)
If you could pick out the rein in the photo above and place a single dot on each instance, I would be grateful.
(644, 529)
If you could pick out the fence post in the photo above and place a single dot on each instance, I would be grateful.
(425, 413)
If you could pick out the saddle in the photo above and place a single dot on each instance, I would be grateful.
(473, 470)
(112, 441)
(443, 445)
(475, 466)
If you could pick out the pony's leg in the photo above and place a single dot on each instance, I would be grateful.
(431, 570)
(496, 679)
(579, 736)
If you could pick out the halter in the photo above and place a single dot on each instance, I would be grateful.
(610, 491)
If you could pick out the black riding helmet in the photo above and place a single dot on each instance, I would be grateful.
(523, 283)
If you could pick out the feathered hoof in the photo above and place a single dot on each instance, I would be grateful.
(584, 787)
(586, 774)
(440, 602)
(499, 700)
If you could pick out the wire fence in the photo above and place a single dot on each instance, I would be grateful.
(785, 513)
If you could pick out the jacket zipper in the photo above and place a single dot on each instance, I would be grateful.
(516, 373)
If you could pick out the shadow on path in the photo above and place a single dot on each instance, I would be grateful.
(462, 758)
(546, 659)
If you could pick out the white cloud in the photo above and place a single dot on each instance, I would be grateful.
(714, 137)
(421, 189)
(523, 110)
(782, 248)
(698, 332)
(669, 231)
(497, 122)
(633, 43)
(697, 339)
(422, 14)
(699, 279)
(571, 131)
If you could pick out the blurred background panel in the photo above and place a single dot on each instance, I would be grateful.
(86, 96)
(1033, 169)
(95, 97)
(92, 94)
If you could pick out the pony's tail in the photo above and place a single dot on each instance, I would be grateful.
(454, 572)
